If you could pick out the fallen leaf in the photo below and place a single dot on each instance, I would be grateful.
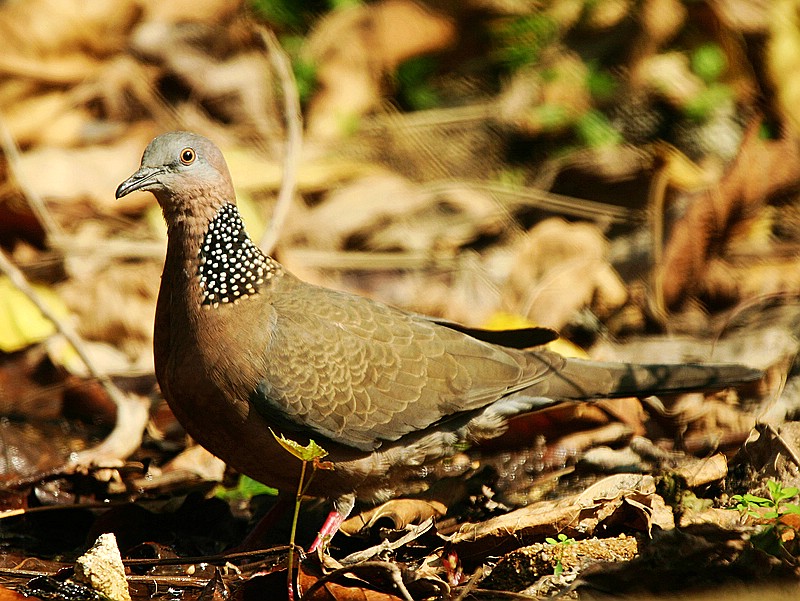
(21, 322)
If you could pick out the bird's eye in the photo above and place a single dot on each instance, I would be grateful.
(188, 156)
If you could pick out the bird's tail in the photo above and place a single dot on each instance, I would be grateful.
(581, 379)
(576, 379)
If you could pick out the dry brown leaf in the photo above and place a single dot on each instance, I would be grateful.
(196, 460)
(182, 11)
(400, 512)
(505, 533)
(235, 85)
(625, 499)
(763, 169)
(360, 208)
(560, 268)
(699, 472)
(116, 305)
(60, 174)
(387, 212)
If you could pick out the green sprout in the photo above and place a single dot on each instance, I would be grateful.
(771, 535)
(560, 542)
(310, 453)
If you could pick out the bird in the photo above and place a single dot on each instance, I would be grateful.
(243, 348)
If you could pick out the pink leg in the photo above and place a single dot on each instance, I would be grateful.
(341, 509)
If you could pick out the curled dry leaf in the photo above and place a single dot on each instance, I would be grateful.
(618, 499)
(196, 460)
(399, 512)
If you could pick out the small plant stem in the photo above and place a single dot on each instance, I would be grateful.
(297, 501)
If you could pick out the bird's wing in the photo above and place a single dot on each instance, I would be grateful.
(359, 372)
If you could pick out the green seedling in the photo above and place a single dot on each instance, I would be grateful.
(310, 453)
(770, 536)
(560, 542)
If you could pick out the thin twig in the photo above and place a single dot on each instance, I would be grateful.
(495, 595)
(294, 138)
(515, 196)
(473, 580)
(222, 558)
(132, 413)
(290, 582)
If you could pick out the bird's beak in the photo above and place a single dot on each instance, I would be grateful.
(146, 178)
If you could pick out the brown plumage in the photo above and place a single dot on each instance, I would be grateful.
(241, 345)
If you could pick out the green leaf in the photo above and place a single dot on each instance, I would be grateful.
(755, 500)
(308, 452)
(595, 130)
(551, 116)
(521, 40)
(708, 101)
(413, 77)
(709, 62)
(602, 85)
(778, 493)
(246, 488)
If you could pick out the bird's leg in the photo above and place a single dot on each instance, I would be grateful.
(341, 509)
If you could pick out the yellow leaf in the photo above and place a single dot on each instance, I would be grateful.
(310, 452)
(21, 322)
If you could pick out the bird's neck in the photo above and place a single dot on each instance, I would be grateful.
(217, 261)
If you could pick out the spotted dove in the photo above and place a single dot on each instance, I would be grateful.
(242, 346)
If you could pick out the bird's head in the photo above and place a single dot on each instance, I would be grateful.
(186, 173)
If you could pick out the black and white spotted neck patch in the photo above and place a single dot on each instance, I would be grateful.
(231, 266)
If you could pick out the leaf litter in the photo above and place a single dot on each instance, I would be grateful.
(485, 166)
